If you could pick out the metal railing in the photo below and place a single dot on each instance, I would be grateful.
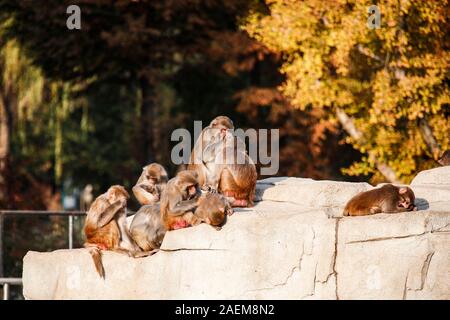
(7, 282)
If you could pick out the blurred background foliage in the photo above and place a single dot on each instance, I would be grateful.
(390, 83)
(97, 104)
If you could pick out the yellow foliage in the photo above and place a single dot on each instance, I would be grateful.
(386, 78)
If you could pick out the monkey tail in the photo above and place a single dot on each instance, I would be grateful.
(96, 255)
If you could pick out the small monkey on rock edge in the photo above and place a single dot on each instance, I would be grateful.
(388, 199)
(213, 209)
(150, 184)
(105, 226)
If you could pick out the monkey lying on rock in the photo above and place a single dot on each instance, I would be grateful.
(388, 199)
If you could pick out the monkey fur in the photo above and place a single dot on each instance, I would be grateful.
(387, 199)
(232, 172)
(105, 226)
(179, 201)
(150, 184)
(215, 131)
(213, 209)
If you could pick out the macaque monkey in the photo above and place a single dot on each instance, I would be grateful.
(213, 133)
(147, 229)
(232, 171)
(213, 209)
(86, 197)
(179, 201)
(388, 199)
(444, 160)
(105, 226)
(150, 184)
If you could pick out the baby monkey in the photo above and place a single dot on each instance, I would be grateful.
(213, 209)
(388, 199)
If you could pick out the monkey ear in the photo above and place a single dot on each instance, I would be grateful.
(403, 190)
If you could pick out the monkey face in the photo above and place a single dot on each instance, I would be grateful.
(406, 198)
(192, 191)
(187, 183)
(151, 179)
(222, 124)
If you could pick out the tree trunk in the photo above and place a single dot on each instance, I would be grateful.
(428, 136)
(349, 126)
(147, 120)
(5, 142)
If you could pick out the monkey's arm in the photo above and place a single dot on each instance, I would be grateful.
(145, 194)
(178, 208)
(108, 214)
(211, 150)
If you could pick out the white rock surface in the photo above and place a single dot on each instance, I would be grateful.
(286, 247)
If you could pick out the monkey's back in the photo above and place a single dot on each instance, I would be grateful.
(362, 202)
(238, 180)
(147, 229)
(107, 237)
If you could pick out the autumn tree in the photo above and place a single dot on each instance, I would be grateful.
(387, 87)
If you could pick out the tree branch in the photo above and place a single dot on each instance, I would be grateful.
(427, 134)
(349, 126)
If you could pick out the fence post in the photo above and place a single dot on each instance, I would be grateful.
(71, 232)
(1, 245)
(5, 291)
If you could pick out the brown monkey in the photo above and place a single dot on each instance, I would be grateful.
(214, 132)
(388, 199)
(232, 172)
(105, 226)
(444, 160)
(179, 200)
(150, 184)
(212, 209)
(147, 229)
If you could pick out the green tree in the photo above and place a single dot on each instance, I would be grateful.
(388, 87)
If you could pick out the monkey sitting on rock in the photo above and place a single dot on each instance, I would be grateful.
(150, 184)
(105, 226)
(387, 199)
